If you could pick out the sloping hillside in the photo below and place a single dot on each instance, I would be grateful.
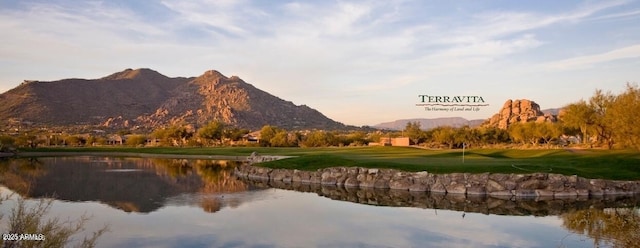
(146, 98)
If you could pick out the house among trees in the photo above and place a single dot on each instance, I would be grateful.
(115, 140)
(251, 138)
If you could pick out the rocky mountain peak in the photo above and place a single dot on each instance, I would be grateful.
(514, 111)
(144, 98)
(141, 73)
(212, 74)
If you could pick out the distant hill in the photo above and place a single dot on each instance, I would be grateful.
(551, 111)
(148, 99)
(426, 124)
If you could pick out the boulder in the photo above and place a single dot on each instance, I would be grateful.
(438, 186)
(401, 181)
(328, 178)
(476, 190)
(456, 188)
(493, 186)
(280, 175)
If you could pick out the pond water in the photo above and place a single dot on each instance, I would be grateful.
(199, 203)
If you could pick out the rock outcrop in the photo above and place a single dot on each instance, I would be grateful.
(518, 111)
(500, 185)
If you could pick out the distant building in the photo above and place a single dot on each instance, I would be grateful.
(385, 141)
(115, 139)
(251, 138)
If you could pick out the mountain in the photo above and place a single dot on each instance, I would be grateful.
(551, 111)
(144, 98)
(426, 124)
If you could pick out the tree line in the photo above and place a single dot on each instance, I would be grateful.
(607, 119)
(604, 120)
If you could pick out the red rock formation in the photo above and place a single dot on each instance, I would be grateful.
(514, 111)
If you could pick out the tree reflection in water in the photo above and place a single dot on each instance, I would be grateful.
(216, 177)
(618, 227)
(131, 184)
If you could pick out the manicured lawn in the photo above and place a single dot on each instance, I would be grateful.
(606, 164)
(622, 165)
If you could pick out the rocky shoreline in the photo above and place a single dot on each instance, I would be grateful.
(499, 205)
(547, 185)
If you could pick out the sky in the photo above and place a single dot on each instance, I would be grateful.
(357, 62)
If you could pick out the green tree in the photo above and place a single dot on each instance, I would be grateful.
(612, 119)
(212, 132)
(579, 115)
(234, 133)
(357, 138)
(73, 140)
(444, 135)
(319, 139)
(548, 131)
(624, 117)
(527, 132)
(493, 135)
(136, 140)
(518, 133)
(29, 140)
(413, 131)
(173, 135)
(280, 139)
(266, 134)
(600, 103)
(466, 136)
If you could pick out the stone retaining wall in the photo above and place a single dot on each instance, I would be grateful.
(519, 185)
(500, 205)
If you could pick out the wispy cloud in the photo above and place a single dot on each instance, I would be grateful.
(626, 14)
(383, 48)
(225, 18)
(595, 59)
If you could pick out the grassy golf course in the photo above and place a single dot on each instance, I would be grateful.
(589, 163)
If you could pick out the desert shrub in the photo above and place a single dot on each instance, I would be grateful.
(26, 219)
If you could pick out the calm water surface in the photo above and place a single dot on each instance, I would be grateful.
(198, 203)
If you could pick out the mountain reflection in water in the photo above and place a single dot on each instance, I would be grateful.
(166, 186)
(130, 184)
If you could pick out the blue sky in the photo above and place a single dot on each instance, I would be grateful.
(358, 62)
